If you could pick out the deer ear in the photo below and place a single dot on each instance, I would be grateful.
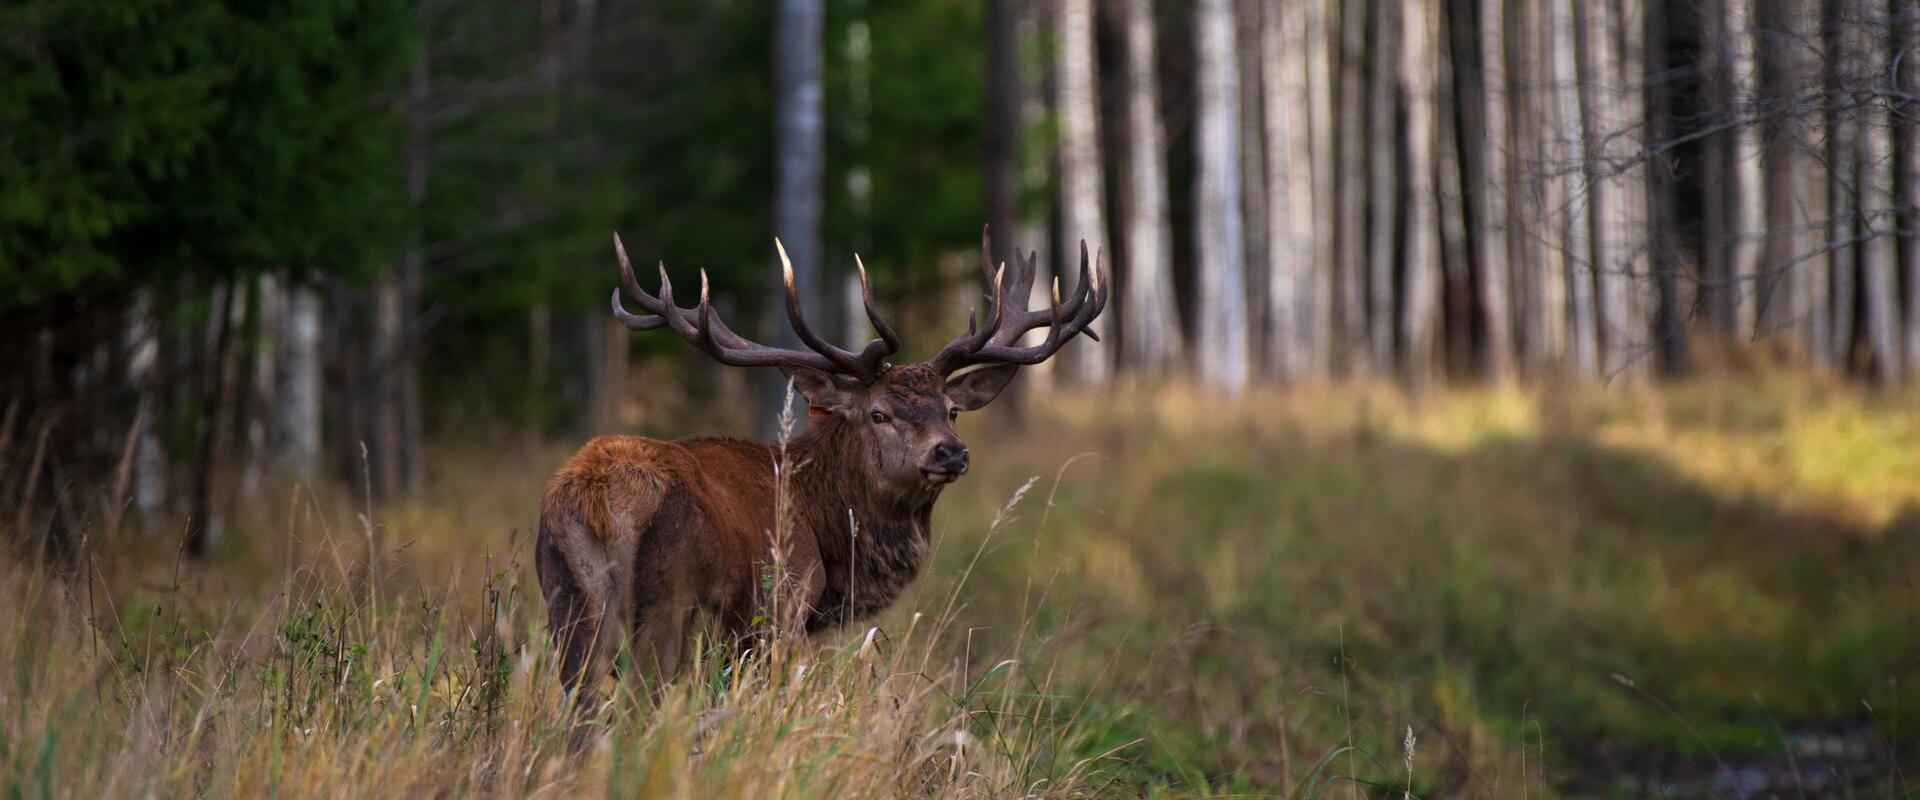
(827, 391)
(975, 388)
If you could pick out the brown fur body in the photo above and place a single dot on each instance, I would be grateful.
(636, 534)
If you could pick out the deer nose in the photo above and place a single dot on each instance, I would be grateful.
(950, 456)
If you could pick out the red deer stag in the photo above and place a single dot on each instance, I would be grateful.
(638, 534)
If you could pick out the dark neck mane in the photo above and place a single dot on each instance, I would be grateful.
(888, 540)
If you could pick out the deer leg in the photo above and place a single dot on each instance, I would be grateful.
(576, 618)
(658, 638)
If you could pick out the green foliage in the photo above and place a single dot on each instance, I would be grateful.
(154, 139)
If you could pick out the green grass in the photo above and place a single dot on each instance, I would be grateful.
(1553, 590)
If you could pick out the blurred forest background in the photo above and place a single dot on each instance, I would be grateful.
(309, 235)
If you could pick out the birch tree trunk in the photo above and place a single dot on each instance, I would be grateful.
(1418, 65)
(1577, 188)
(1788, 300)
(799, 164)
(1152, 334)
(1223, 360)
(1633, 272)
(149, 476)
(1545, 266)
(1247, 18)
(1491, 205)
(1747, 225)
(1877, 258)
(1082, 187)
(1607, 185)
(295, 427)
(1317, 285)
(1292, 220)
(1038, 171)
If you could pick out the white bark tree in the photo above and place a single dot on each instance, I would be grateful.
(1419, 46)
(1746, 228)
(1152, 334)
(1878, 269)
(1222, 357)
(1584, 248)
(295, 425)
(1082, 187)
(1292, 219)
(799, 168)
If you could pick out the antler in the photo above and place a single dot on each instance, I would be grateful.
(706, 331)
(1010, 319)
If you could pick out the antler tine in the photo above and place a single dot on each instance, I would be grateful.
(1028, 320)
(638, 322)
(796, 316)
(1063, 320)
(889, 342)
(976, 337)
(706, 331)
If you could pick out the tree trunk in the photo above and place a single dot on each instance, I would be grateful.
(1793, 198)
(1574, 303)
(1419, 64)
(1877, 258)
(216, 397)
(1001, 138)
(1633, 284)
(1383, 196)
(1317, 284)
(1907, 166)
(1842, 202)
(1038, 172)
(384, 413)
(1082, 185)
(1541, 269)
(1253, 171)
(1490, 210)
(1152, 334)
(295, 429)
(799, 163)
(149, 477)
(1664, 257)
(1584, 232)
(1747, 224)
(1607, 186)
(1452, 38)
(406, 353)
(1351, 225)
(1292, 219)
(1223, 358)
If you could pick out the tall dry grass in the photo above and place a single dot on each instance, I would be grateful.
(1554, 593)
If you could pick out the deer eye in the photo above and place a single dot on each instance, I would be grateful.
(953, 414)
(879, 417)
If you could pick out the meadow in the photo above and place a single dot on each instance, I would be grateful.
(1704, 589)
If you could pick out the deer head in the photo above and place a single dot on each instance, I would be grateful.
(901, 416)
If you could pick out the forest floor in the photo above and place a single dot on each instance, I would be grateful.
(1702, 590)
